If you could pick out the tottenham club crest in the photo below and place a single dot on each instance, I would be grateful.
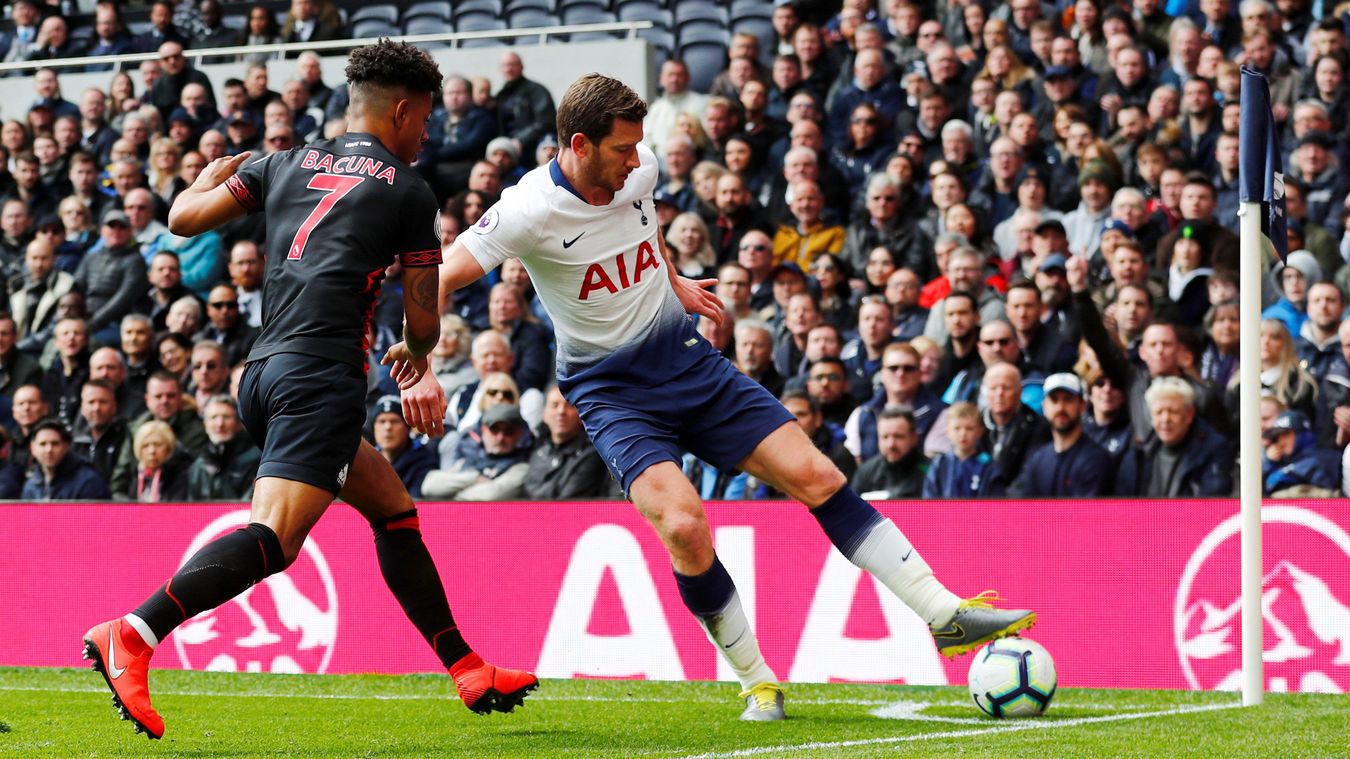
(638, 205)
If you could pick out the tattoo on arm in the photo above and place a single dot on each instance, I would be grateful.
(426, 291)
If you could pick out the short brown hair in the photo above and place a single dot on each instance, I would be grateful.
(592, 103)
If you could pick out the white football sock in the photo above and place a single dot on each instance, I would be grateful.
(730, 631)
(890, 557)
(141, 627)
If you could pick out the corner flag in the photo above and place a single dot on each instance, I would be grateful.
(1260, 173)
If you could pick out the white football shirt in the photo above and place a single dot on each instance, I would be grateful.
(597, 269)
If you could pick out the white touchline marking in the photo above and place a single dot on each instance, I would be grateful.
(1005, 728)
(446, 694)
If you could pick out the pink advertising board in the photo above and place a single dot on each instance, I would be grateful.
(1130, 594)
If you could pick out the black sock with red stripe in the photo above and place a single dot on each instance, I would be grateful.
(411, 576)
(221, 570)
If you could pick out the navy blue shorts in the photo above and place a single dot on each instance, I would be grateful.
(306, 414)
(711, 410)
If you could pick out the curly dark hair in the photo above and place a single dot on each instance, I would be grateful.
(394, 64)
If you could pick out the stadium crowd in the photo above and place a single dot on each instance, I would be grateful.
(979, 249)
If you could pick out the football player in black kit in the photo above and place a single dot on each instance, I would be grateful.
(338, 213)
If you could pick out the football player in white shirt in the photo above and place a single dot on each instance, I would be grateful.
(648, 387)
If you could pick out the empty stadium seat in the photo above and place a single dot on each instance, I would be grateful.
(586, 14)
(385, 12)
(427, 25)
(699, 11)
(371, 28)
(428, 8)
(750, 9)
(647, 11)
(704, 51)
(492, 8)
(529, 18)
(513, 6)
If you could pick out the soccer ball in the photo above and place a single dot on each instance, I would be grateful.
(1013, 678)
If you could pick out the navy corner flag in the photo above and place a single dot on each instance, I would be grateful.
(1260, 173)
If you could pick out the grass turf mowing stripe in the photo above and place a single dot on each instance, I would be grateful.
(1006, 728)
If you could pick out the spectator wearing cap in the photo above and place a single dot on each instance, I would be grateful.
(504, 153)
(111, 277)
(901, 386)
(1107, 420)
(899, 468)
(59, 475)
(563, 463)
(1318, 341)
(1294, 465)
(392, 436)
(490, 462)
(1292, 279)
(1071, 465)
(667, 208)
(1096, 184)
(1323, 178)
(1185, 459)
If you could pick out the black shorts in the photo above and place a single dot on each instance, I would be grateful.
(306, 414)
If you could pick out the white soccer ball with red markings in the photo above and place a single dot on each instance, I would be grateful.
(1013, 677)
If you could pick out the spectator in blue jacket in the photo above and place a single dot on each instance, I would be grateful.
(1071, 465)
(1186, 458)
(962, 472)
(410, 458)
(58, 475)
(1294, 460)
(901, 385)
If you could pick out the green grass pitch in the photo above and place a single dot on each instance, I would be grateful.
(66, 712)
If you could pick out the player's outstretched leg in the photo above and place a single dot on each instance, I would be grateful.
(120, 649)
(874, 543)
(713, 599)
(787, 460)
(411, 575)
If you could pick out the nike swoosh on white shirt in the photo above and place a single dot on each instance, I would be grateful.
(114, 671)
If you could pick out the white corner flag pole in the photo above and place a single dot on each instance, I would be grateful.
(1252, 251)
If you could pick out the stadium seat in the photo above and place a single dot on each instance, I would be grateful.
(529, 18)
(476, 22)
(750, 9)
(646, 11)
(620, 4)
(485, 42)
(387, 13)
(464, 8)
(137, 28)
(705, 54)
(236, 22)
(429, 8)
(371, 28)
(565, 5)
(513, 6)
(661, 39)
(427, 25)
(586, 14)
(699, 11)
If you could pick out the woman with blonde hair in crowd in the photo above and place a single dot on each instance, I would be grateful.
(80, 233)
(688, 238)
(705, 176)
(689, 125)
(162, 169)
(161, 471)
(450, 357)
(1002, 65)
(1281, 373)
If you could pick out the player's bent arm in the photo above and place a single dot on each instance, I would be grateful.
(207, 204)
(421, 309)
(458, 269)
